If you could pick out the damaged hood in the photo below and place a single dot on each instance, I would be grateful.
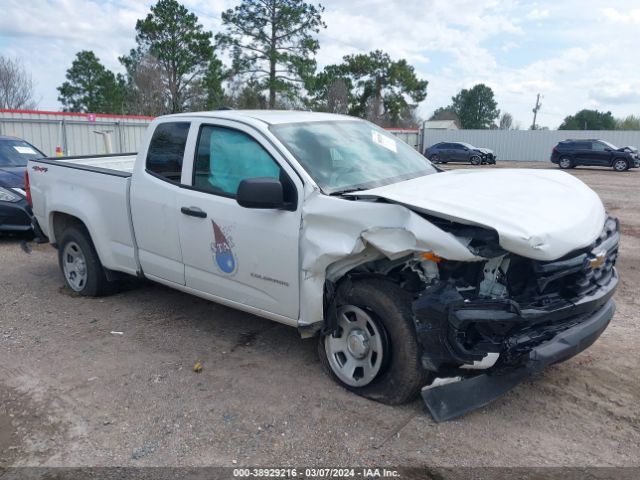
(539, 214)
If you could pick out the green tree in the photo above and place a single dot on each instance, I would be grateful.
(475, 107)
(272, 41)
(247, 95)
(631, 122)
(380, 89)
(214, 76)
(90, 87)
(181, 47)
(589, 120)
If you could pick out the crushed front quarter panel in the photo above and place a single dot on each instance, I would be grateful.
(335, 229)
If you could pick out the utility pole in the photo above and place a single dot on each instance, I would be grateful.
(535, 112)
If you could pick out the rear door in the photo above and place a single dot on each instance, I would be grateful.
(458, 153)
(444, 151)
(247, 256)
(582, 153)
(153, 200)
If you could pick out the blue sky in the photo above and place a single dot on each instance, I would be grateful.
(577, 54)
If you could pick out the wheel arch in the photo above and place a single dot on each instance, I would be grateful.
(626, 160)
(61, 221)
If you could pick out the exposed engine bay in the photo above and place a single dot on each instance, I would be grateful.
(490, 315)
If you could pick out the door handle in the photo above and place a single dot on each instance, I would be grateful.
(194, 212)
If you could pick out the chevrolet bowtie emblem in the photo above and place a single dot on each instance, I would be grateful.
(597, 261)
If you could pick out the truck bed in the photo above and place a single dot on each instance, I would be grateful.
(95, 190)
(120, 162)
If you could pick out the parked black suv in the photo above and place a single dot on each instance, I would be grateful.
(445, 152)
(598, 153)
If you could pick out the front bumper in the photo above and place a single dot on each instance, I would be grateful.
(526, 340)
(15, 216)
(457, 398)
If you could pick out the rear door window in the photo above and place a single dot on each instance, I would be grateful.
(166, 150)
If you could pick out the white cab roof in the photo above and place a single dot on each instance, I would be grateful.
(271, 117)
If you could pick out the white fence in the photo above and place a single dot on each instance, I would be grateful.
(92, 134)
(410, 136)
(75, 133)
(526, 145)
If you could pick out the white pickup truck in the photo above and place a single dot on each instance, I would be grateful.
(458, 284)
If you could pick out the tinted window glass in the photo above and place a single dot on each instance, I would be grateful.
(601, 147)
(582, 145)
(16, 153)
(166, 150)
(225, 157)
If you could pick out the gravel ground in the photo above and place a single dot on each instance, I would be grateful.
(73, 393)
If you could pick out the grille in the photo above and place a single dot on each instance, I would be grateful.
(581, 272)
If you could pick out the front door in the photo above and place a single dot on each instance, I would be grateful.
(600, 154)
(247, 256)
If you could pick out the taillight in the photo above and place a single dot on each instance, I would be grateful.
(27, 188)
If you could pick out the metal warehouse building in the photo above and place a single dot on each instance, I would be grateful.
(526, 145)
(90, 134)
(75, 133)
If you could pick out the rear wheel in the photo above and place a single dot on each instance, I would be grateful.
(476, 160)
(374, 351)
(80, 265)
(565, 162)
(620, 165)
(434, 158)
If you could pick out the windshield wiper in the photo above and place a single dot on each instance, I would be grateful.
(348, 190)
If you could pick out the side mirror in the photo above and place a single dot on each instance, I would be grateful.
(608, 149)
(260, 192)
(466, 149)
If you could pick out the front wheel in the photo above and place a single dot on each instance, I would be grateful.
(374, 352)
(620, 165)
(80, 265)
(476, 160)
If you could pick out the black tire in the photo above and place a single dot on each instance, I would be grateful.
(620, 165)
(565, 162)
(475, 160)
(401, 376)
(434, 158)
(96, 284)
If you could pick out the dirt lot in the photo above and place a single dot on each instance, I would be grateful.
(74, 393)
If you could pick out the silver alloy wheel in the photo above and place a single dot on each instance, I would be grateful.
(565, 162)
(620, 165)
(476, 160)
(74, 266)
(355, 351)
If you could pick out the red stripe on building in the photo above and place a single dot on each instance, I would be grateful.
(76, 114)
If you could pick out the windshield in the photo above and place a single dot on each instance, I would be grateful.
(16, 153)
(351, 155)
